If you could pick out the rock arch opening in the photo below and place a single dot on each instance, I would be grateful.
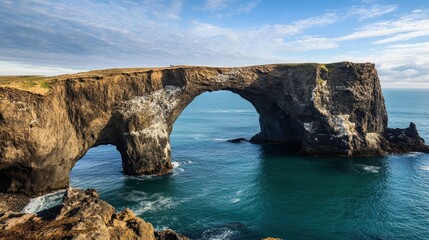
(91, 170)
(215, 117)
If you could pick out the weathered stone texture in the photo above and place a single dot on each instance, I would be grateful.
(82, 215)
(333, 109)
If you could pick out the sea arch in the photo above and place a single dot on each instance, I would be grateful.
(335, 109)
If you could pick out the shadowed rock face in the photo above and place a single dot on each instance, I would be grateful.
(334, 109)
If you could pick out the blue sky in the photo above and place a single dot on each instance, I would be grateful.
(55, 37)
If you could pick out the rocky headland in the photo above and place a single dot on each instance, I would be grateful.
(321, 109)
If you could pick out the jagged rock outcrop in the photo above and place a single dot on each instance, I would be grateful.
(335, 109)
(83, 215)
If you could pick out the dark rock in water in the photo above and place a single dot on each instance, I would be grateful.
(237, 140)
(169, 235)
(404, 140)
(330, 109)
(83, 215)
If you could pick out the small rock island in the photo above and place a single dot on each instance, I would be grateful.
(322, 109)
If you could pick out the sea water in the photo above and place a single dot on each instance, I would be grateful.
(222, 190)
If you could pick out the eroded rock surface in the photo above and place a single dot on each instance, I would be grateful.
(334, 109)
(83, 215)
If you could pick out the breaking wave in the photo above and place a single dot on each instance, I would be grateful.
(44, 202)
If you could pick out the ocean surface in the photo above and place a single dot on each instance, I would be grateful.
(222, 190)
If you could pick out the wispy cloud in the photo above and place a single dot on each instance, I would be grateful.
(399, 65)
(76, 36)
(216, 5)
(12, 68)
(372, 11)
(222, 8)
(409, 26)
(62, 35)
(299, 26)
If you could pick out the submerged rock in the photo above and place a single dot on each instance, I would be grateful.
(330, 109)
(82, 215)
(237, 140)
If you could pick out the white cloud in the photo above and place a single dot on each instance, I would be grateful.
(222, 8)
(216, 5)
(302, 44)
(299, 26)
(11, 68)
(373, 11)
(59, 36)
(117, 35)
(399, 65)
(406, 27)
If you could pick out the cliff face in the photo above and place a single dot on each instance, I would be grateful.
(81, 216)
(335, 109)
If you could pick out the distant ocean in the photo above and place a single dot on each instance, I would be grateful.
(221, 190)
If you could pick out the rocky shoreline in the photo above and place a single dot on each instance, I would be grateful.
(13, 202)
(82, 215)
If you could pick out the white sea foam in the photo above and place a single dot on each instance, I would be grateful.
(413, 154)
(220, 139)
(424, 168)
(236, 198)
(175, 164)
(368, 168)
(155, 203)
(223, 233)
(151, 202)
(44, 202)
(142, 177)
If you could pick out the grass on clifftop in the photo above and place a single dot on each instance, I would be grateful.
(36, 84)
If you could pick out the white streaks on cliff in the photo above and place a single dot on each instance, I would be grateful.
(152, 110)
(158, 104)
(340, 123)
(343, 126)
(320, 96)
(224, 77)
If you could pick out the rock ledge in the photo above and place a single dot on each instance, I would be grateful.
(83, 215)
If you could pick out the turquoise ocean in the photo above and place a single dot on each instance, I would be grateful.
(222, 190)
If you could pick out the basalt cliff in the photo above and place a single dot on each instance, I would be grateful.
(321, 109)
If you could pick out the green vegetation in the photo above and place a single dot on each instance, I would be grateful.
(44, 84)
(320, 82)
(38, 84)
(323, 67)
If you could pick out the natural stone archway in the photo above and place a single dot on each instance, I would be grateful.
(335, 109)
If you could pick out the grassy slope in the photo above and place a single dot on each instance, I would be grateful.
(37, 84)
